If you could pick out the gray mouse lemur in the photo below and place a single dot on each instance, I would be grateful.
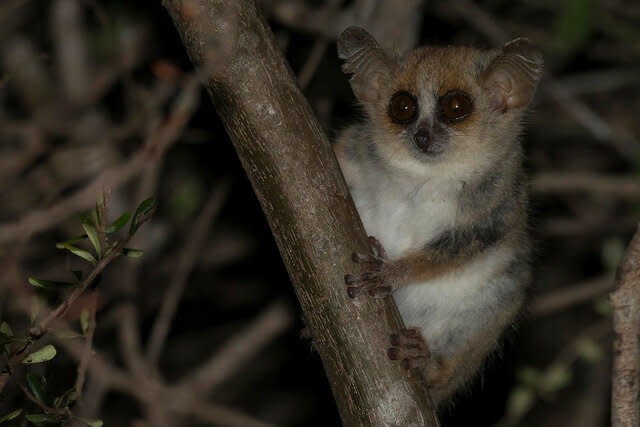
(435, 171)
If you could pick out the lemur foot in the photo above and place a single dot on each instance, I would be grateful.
(409, 347)
(375, 280)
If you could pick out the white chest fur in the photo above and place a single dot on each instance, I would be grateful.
(403, 214)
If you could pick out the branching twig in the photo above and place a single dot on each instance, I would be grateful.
(43, 219)
(38, 331)
(317, 50)
(625, 406)
(627, 187)
(155, 146)
(151, 391)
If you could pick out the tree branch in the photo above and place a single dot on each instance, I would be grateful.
(296, 177)
(625, 406)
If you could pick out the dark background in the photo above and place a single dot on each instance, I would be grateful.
(581, 151)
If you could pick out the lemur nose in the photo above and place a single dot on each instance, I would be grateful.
(422, 139)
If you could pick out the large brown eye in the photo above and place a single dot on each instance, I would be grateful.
(455, 106)
(403, 108)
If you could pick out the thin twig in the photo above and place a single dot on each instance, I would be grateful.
(626, 187)
(62, 308)
(625, 407)
(569, 296)
(318, 50)
(151, 391)
(38, 331)
(46, 408)
(188, 257)
(43, 219)
(239, 349)
(84, 361)
(4, 377)
(155, 146)
(129, 336)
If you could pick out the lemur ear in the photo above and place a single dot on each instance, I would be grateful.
(513, 76)
(365, 60)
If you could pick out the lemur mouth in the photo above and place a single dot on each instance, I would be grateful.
(432, 141)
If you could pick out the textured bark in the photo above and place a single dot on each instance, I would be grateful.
(297, 179)
(625, 394)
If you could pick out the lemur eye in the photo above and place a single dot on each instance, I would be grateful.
(455, 106)
(403, 108)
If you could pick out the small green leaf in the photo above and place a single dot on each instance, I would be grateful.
(80, 252)
(144, 209)
(93, 236)
(6, 339)
(519, 401)
(39, 419)
(10, 415)
(91, 423)
(132, 253)
(95, 218)
(40, 283)
(6, 330)
(65, 399)
(86, 219)
(60, 245)
(47, 352)
(119, 223)
(84, 320)
(589, 350)
(34, 385)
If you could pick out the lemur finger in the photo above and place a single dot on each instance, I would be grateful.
(405, 336)
(380, 291)
(398, 353)
(366, 259)
(366, 277)
(378, 249)
(410, 363)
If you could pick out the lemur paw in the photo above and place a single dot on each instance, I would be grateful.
(409, 347)
(375, 280)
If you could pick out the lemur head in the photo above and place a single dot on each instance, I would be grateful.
(442, 110)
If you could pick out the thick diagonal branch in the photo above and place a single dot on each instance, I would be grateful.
(297, 179)
(625, 393)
